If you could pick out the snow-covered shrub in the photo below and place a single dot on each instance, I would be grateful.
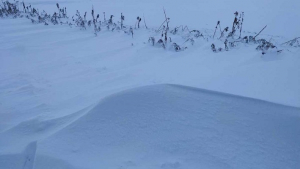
(264, 45)
(62, 12)
(43, 17)
(79, 20)
(237, 24)
(8, 9)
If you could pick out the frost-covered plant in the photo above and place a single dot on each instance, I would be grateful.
(234, 25)
(138, 20)
(213, 48)
(96, 28)
(176, 47)
(110, 21)
(245, 39)
(264, 45)
(237, 24)
(251, 39)
(43, 18)
(104, 18)
(164, 28)
(177, 29)
(79, 20)
(196, 33)
(151, 40)
(222, 33)
(145, 22)
(161, 43)
(62, 12)
(191, 40)
(218, 25)
(131, 31)
(226, 44)
(110, 25)
(294, 42)
(54, 18)
(9, 9)
(174, 31)
(241, 24)
(122, 20)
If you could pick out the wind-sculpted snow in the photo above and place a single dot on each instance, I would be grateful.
(24, 160)
(36, 129)
(171, 126)
(52, 78)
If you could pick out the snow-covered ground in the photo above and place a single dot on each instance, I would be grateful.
(161, 126)
(65, 103)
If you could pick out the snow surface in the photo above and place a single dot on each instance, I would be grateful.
(167, 126)
(53, 77)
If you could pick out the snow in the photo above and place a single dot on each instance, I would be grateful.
(69, 99)
(169, 126)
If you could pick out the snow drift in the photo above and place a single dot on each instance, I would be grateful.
(52, 78)
(171, 126)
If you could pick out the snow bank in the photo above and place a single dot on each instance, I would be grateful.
(171, 126)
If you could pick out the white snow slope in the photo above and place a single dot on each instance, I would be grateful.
(165, 126)
(53, 77)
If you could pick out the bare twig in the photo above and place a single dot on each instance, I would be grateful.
(167, 19)
(260, 32)
(216, 29)
(145, 21)
(222, 33)
(161, 26)
(186, 28)
(241, 24)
